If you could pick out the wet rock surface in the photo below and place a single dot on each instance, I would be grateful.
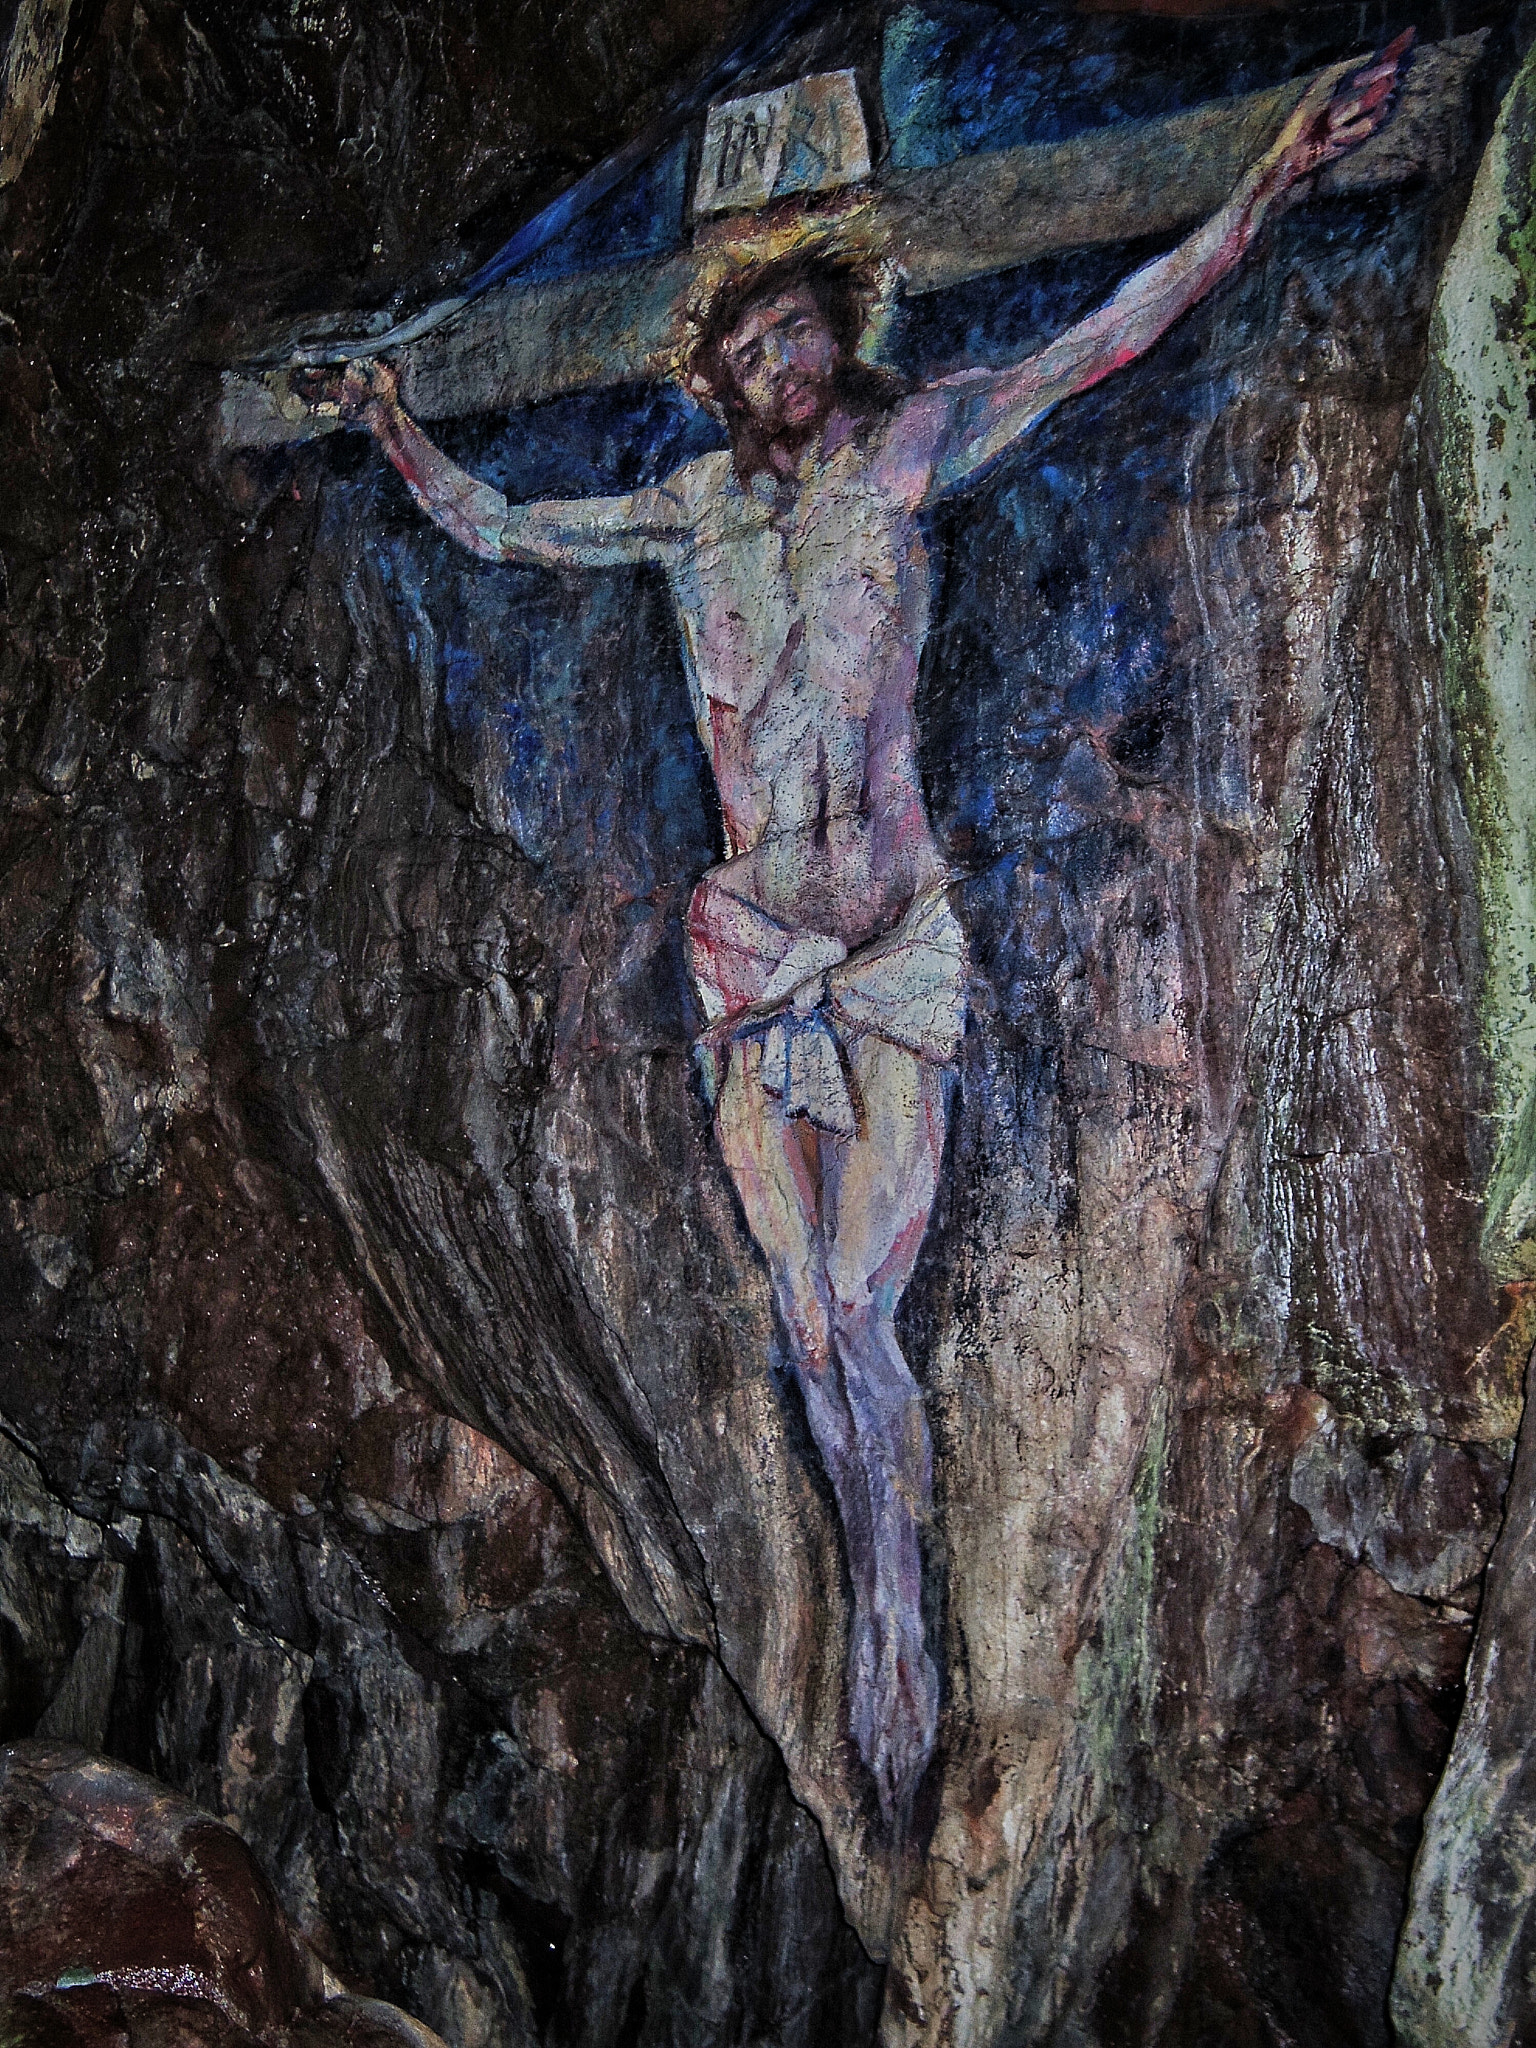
(1463, 1966)
(395, 1458)
(476, 1787)
(131, 1916)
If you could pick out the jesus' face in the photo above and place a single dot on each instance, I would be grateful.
(782, 357)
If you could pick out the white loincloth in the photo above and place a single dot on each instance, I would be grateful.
(805, 997)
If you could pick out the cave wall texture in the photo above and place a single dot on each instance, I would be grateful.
(396, 1456)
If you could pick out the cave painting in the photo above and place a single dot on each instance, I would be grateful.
(827, 958)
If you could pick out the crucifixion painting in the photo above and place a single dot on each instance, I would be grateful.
(827, 958)
(826, 955)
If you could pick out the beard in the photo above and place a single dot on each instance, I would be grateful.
(856, 388)
(801, 414)
(757, 437)
(795, 436)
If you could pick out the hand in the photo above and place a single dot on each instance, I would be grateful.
(367, 382)
(1336, 116)
(352, 389)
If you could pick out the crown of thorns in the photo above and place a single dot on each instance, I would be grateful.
(738, 268)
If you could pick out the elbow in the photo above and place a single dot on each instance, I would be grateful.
(488, 546)
(522, 554)
(452, 519)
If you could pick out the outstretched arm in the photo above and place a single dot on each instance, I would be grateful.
(991, 410)
(576, 533)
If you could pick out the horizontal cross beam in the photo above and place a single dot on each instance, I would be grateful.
(982, 213)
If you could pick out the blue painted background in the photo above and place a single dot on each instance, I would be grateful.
(1053, 637)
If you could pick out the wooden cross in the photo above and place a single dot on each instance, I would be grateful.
(983, 213)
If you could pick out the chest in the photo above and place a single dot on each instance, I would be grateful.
(817, 578)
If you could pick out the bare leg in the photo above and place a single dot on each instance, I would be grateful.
(878, 1192)
(840, 1222)
(777, 1169)
(778, 1177)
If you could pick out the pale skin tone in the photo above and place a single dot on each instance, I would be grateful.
(803, 600)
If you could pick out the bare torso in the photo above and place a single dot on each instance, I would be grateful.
(803, 602)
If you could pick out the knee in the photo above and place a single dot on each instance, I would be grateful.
(858, 1312)
(852, 1311)
(864, 1337)
(810, 1333)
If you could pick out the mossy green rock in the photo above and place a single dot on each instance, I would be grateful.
(1479, 390)
(1465, 1962)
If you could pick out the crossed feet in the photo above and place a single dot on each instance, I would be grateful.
(893, 1700)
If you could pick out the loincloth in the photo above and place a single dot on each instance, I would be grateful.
(805, 997)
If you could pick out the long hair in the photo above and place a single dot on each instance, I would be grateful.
(845, 291)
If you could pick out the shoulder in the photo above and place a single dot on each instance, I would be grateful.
(942, 397)
(696, 484)
(914, 437)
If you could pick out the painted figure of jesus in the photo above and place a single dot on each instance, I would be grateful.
(829, 964)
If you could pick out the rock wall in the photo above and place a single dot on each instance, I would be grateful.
(397, 1457)
(1462, 1971)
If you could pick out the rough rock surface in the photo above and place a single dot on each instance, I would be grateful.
(1465, 1964)
(128, 1915)
(474, 1784)
(1464, 1969)
(394, 1459)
